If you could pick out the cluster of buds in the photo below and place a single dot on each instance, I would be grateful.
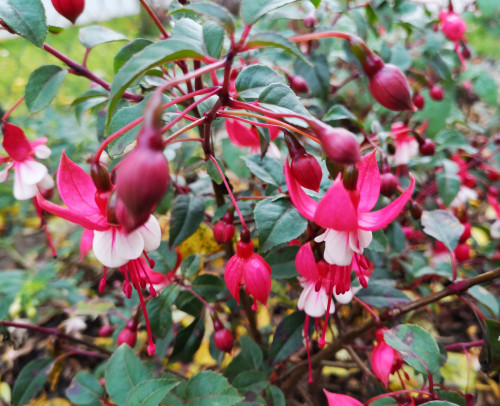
(387, 84)
(305, 168)
(70, 9)
(224, 228)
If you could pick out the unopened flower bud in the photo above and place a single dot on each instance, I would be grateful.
(452, 25)
(297, 83)
(466, 233)
(390, 88)
(436, 93)
(307, 171)
(415, 210)
(100, 177)
(388, 184)
(224, 229)
(350, 177)
(310, 20)
(370, 62)
(418, 101)
(224, 340)
(462, 252)
(128, 337)
(466, 51)
(106, 331)
(70, 9)
(339, 145)
(427, 147)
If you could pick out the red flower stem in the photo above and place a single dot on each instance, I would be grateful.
(183, 130)
(86, 56)
(53, 332)
(154, 18)
(453, 265)
(368, 309)
(398, 392)
(235, 204)
(199, 297)
(461, 346)
(320, 35)
(139, 120)
(15, 106)
(81, 70)
(244, 35)
(77, 351)
(235, 104)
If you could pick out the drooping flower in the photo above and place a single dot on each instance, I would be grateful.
(335, 399)
(243, 136)
(70, 9)
(30, 176)
(345, 214)
(454, 28)
(406, 144)
(384, 359)
(249, 269)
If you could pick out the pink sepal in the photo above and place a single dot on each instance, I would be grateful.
(302, 202)
(382, 360)
(334, 399)
(368, 182)
(305, 263)
(86, 243)
(241, 135)
(336, 210)
(15, 142)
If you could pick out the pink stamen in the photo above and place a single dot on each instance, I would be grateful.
(321, 341)
(150, 261)
(254, 306)
(151, 346)
(102, 282)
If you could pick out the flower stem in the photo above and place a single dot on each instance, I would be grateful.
(155, 18)
(15, 106)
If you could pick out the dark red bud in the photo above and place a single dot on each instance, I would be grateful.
(418, 101)
(370, 62)
(466, 234)
(307, 171)
(111, 209)
(388, 184)
(427, 147)
(183, 2)
(223, 232)
(100, 177)
(128, 337)
(245, 236)
(310, 20)
(462, 252)
(465, 51)
(106, 331)
(436, 93)
(47, 193)
(218, 325)
(391, 148)
(298, 84)
(415, 210)
(350, 177)
(339, 145)
(70, 9)
(224, 340)
(390, 88)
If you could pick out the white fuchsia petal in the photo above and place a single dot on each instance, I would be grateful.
(113, 248)
(30, 171)
(151, 234)
(359, 240)
(46, 183)
(42, 151)
(343, 298)
(314, 303)
(337, 247)
(23, 191)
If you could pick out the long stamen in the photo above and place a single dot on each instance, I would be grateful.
(321, 341)
(127, 289)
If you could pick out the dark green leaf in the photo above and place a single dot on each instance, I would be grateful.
(272, 39)
(266, 169)
(275, 394)
(486, 298)
(31, 380)
(26, 18)
(208, 286)
(318, 78)
(42, 86)
(85, 389)
(213, 172)
(448, 185)
(208, 388)
(486, 89)
(159, 310)
(187, 215)
(278, 222)
(379, 242)
(400, 57)
(283, 262)
(251, 382)
(250, 357)
(288, 337)
(253, 79)
(129, 50)
(123, 372)
(443, 226)
(280, 98)
(164, 257)
(340, 112)
(213, 39)
(417, 347)
(190, 265)
(381, 293)
(94, 35)
(233, 156)
(188, 340)
(217, 13)
(150, 392)
(252, 10)
(490, 354)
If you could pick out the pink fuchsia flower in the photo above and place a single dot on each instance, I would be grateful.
(249, 269)
(243, 136)
(335, 399)
(30, 176)
(345, 214)
(406, 144)
(69, 9)
(452, 25)
(384, 359)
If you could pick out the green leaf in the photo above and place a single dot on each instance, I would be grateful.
(213, 172)
(400, 57)
(448, 186)
(213, 39)
(275, 394)
(159, 310)
(380, 293)
(251, 382)
(213, 11)
(129, 50)
(340, 112)
(443, 226)
(150, 392)
(85, 389)
(486, 298)
(187, 215)
(94, 35)
(208, 388)
(252, 10)
(278, 222)
(288, 337)
(26, 18)
(233, 156)
(490, 354)
(42, 86)
(250, 357)
(31, 380)
(266, 169)
(486, 89)
(318, 78)
(488, 7)
(188, 340)
(253, 79)
(280, 98)
(208, 286)
(190, 265)
(379, 242)
(283, 262)
(123, 372)
(164, 257)
(316, 3)
(417, 347)
(271, 39)
(439, 403)
(156, 54)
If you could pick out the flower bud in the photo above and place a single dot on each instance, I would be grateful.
(390, 88)
(106, 331)
(436, 93)
(100, 177)
(307, 171)
(297, 83)
(388, 184)
(452, 25)
(427, 148)
(418, 101)
(350, 177)
(223, 340)
(415, 210)
(370, 62)
(310, 20)
(128, 337)
(339, 145)
(70, 9)
(224, 229)
(462, 252)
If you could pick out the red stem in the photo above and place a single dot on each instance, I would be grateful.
(154, 18)
(15, 106)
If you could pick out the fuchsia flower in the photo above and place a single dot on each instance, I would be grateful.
(452, 25)
(385, 360)
(70, 9)
(29, 174)
(346, 213)
(249, 269)
(243, 136)
(335, 399)
(112, 246)
(406, 144)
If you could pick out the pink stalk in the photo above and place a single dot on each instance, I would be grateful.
(461, 346)
(367, 308)
(15, 106)
(235, 204)
(320, 35)
(183, 130)
(154, 18)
